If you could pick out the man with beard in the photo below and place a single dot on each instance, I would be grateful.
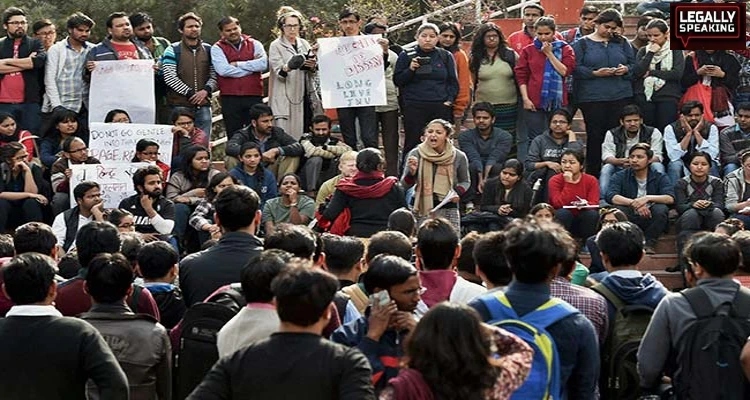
(485, 146)
(64, 88)
(735, 140)
(688, 134)
(617, 142)
(239, 60)
(188, 73)
(380, 333)
(143, 28)
(21, 61)
(281, 152)
(89, 208)
(118, 45)
(153, 214)
(321, 153)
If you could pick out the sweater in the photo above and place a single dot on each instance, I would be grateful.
(672, 89)
(519, 198)
(51, 357)
(590, 56)
(289, 366)
(263, 184)
(545, 148)
(179, 185)
(484, 153)
(686, 195)
(464, 82)
(437, 86)
(562, 193)
(529, 71)
(734, 190)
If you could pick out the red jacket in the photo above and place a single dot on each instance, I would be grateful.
(529, 71)
(520, 39)
(562, 193)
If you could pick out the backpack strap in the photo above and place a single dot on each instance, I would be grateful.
(133, 303)
(499, 307)
(741, 303)
(699, 302)
(609, 295)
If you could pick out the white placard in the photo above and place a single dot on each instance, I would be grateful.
(351, 71)
(116, 142)
(123, 84)
(115, 179)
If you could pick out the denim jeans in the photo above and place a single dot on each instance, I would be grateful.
(729, 168)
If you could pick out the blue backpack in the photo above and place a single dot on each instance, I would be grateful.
(543, 381)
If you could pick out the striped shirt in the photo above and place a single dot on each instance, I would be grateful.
(63, 77)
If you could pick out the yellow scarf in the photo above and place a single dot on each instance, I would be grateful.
(430, 180)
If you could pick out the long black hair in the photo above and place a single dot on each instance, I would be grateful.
(200, 179)
(479, 51)
(14, 136)
(453, 27)
(451, 350)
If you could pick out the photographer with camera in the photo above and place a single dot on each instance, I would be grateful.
(293, 66)
(427, 78)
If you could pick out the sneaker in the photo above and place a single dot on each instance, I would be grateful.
(649, 250)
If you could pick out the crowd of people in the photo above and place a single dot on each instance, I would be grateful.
(445, 266)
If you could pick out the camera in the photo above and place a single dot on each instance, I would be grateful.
(423, 60)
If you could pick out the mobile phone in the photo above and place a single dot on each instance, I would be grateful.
(380, 298)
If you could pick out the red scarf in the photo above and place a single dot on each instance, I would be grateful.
(377, 190)
(409, 385)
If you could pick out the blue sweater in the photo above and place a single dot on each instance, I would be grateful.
(439, 86)
(590, 56)
(265, 186)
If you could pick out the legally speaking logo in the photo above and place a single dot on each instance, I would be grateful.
(707, 26)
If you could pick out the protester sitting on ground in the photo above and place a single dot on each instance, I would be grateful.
(117, 116)
(258, 320)
(507, 195)
(122, 219)
(11, 132)
(451, 354)
(735, 140)
(344, 258)
(606, 216)
(157, 264)
(347, 169)
(730, 226)
(679, 325)
(251, 173)
(147, 151)
(238, 216)
(465, 266)
(381, 331)
(384, 242)
(575, 196)
(186, 135)
(22, 188)
(436, 169)
(92, 239)
(64, 125)
(131, 244)
(69, 267)
(140, 342)
(535, 252)
(546, 150)
(691, 132)
(318, 368)
(490, 263)
(321, 153)
(89, 207)
(543, 212)
(437, 251)
(643, 194)
(37, 341)
(74, 152)
(290, 206)
(368, 197)
(202, 218)
(153, 214)
(402, 220)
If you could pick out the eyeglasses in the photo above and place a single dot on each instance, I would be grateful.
(16, 23)
(78, 150)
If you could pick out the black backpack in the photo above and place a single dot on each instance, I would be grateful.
(197, 350)
(710, 349)
(619, 373)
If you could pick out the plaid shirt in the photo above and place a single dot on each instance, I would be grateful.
(63, 77)
(589, 303)
(200, 216)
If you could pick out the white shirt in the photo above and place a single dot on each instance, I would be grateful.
(60, 228)
(33, 310)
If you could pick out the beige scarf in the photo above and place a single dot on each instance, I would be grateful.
(433, 181)
(652, 84)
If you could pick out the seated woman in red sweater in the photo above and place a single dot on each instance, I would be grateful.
(574, 194)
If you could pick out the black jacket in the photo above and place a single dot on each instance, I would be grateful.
(32, 79)
(290, 366)
(204, 272)
(519, 198)
(278, 138)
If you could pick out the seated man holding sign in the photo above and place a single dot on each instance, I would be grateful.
(74, 151)
(280, 152)
(153, 214)
(89, 207)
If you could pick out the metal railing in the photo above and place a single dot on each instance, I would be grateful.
(620, 3)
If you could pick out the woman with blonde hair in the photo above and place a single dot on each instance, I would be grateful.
(437, 170)
(292, 93)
